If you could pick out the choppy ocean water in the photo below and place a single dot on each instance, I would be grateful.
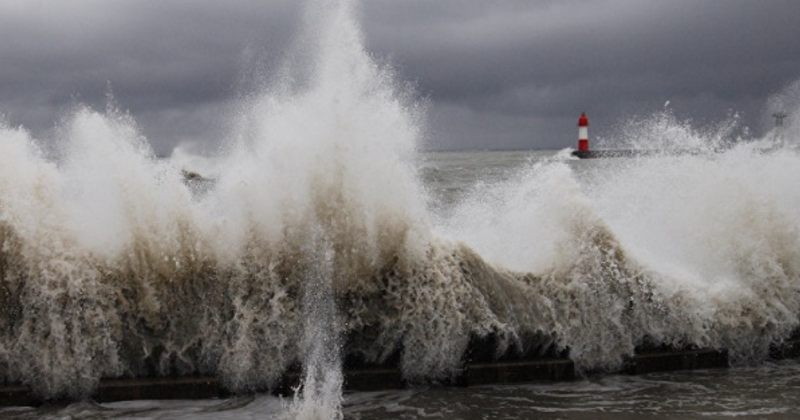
(764, 390)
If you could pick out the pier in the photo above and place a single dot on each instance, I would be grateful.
(585, 152)
(613, 153)
(476, 371)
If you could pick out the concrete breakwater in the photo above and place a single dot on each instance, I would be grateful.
(479, 368)
(629, 153)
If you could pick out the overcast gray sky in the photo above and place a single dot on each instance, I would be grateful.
(497, 74)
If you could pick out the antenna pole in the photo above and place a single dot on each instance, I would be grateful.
(779, 117)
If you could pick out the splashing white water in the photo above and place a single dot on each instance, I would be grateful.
(321, 396)
(711, 238)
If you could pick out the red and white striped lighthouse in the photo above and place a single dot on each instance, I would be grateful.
(583, 133)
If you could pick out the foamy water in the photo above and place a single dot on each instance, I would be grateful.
(768, 391)
(318, 236)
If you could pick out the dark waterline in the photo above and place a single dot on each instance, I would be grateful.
(767, 391)
(771, 390)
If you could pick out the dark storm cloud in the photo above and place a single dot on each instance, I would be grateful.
(543, 63)
(173, 64)
(498, 74)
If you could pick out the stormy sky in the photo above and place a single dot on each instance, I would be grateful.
(496, 74)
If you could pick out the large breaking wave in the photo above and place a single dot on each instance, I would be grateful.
(315, 237)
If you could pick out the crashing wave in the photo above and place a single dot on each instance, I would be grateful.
(111, 264)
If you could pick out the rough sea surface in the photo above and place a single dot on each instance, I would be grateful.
(767, 390)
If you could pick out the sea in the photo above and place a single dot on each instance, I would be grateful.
(755, 389)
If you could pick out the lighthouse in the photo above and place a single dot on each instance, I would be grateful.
(583, 133)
